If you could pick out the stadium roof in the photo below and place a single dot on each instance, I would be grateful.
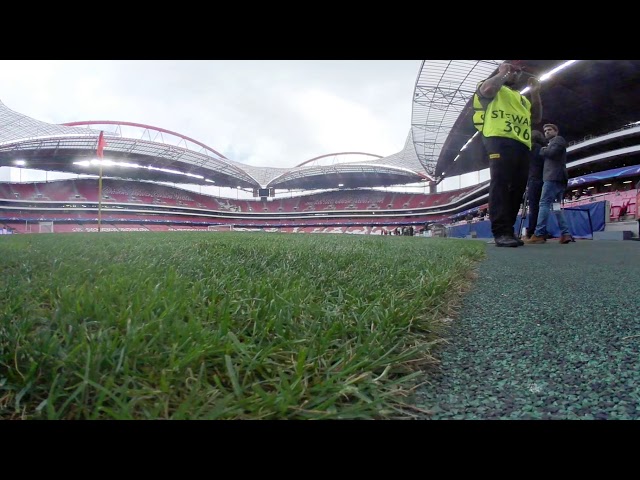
(588, 98)
(442, 93)
(72, 148)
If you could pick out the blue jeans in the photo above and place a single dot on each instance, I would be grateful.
(551, 192)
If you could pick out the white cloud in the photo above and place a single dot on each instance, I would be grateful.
(340, 124)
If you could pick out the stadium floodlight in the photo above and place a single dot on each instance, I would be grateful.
(128, 165)
(110, 163)
(165, 170)
(193, 175)
(468, 142)
(210, 181)
(20, 163)
(341, 184)
(87, 163)
(557, 69)
(107, 163)
(551, 73)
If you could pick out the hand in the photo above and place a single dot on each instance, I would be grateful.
(504, 69)
(534, 85)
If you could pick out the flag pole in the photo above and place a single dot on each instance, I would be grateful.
(100, 153)
(100, 199)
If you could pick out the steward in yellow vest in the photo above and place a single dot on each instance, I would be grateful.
(505, 118)
(507, 115)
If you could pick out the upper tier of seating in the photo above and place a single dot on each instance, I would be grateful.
(145, 193)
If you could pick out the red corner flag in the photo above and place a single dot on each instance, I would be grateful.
(101, 145)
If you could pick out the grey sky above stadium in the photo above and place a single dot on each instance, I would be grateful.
(275, 113)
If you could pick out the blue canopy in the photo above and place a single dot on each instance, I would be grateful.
(615, 173)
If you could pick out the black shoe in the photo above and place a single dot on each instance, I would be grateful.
(520, 242)
(506, 241)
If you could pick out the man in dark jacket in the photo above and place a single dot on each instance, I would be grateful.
(555, 179)
(534, 184)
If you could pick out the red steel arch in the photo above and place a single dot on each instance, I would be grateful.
(339, 153)
(142, 125)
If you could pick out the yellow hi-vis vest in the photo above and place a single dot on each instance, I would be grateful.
(506, 115)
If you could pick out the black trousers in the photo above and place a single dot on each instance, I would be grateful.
(509, 169)
(534, 190)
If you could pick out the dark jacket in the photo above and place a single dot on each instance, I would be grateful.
(555, 160)
(536, 162)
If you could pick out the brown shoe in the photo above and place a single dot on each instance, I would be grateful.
(535, 239)
(566, 238)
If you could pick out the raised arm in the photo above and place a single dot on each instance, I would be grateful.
(491, 85)
(536, 102)
(557, 146)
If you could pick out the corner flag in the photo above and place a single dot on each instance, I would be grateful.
(101, 145)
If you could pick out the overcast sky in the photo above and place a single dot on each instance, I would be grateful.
(263, 112)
